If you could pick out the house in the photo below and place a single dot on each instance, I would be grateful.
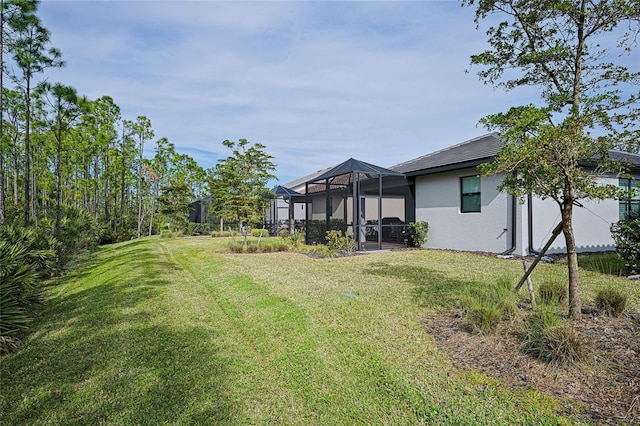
(199, 212)
(465, 211)
(288, 206)
(282, 213)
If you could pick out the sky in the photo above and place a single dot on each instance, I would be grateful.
(316, 82)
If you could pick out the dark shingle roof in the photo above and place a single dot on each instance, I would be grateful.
(357, 166)
(629, 159)
(465, 154)
(285, 192)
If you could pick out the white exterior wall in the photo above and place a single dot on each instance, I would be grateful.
(438, 202)
(591, 223)
(280, 208)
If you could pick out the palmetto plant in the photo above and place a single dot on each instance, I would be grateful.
(21, 264)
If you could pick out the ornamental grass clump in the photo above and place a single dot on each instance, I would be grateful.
(553, 291)
(551, 340)
(260, 245)
(611, 301)
(486, 307)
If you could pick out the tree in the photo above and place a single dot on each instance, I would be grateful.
(102, 117)
(175, 203)
(12, 13)
(238, 183)
(164, 149)
(32, 57)
(588, 102)
(14, 117)
(64, 104)
(141, 132)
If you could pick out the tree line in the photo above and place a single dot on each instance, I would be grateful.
(63, 155)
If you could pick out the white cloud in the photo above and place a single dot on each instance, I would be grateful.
(317, 82)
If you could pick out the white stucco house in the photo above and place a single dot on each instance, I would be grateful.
(465, 211)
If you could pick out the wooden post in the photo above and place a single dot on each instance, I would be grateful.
(528, 272)
(529, 285)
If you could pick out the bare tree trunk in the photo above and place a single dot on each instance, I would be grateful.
(2, 184)
(153, 204)
(27, 154)
(15, 175)
(58, 180)
(140, 199)
(575, 303)
(85, 194)
(96, 186)
(122, 174)
(107, 190)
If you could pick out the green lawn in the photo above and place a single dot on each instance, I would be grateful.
(176, 331)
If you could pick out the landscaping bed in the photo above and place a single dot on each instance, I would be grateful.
(604, 392)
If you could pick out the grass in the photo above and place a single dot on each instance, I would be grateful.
(178, 331)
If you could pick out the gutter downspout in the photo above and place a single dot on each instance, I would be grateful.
(514, 223)
(531, 250)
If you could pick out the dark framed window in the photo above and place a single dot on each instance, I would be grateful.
(629, 206)
(470, 194)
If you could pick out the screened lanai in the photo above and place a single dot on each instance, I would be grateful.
(281, 212)
(370, 203)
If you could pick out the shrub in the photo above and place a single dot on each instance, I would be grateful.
(611, 301)
(551, 341)
(553, 291)
(259, 232)
(194, 228)
(318, 251)
(40, 251)
(341, 242)
(78, 231)
(24, 259)
(626, 234)
(283, 233)
(296, 239)
(419, 232)
(236, 247)
(18, 280)
(218, 234)
(267, 245)
(106, 235)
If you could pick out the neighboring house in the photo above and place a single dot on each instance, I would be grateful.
(281, 208)
(282, 212)
(465, 211)
(199, 212)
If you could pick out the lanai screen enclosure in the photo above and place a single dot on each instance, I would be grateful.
(282, 206)
(370, 203)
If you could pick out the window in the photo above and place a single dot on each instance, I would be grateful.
(470, 194)
(629, 206)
